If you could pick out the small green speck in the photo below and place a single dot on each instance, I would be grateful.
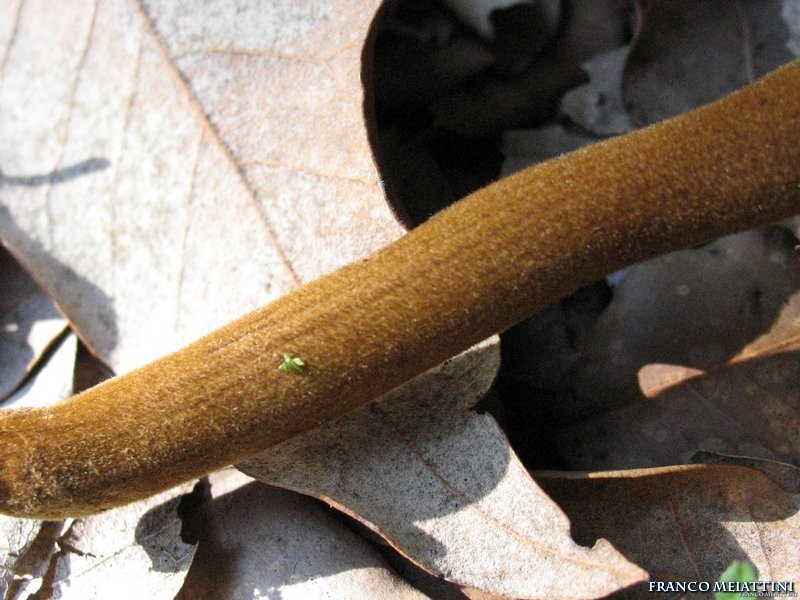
(739, 571)
(292, 364)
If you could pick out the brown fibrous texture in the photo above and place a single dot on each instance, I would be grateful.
(474, 269)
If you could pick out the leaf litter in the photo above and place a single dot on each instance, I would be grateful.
(131, 552)
(213, 79)
(256, 541)
(711, 377)
(684, 523)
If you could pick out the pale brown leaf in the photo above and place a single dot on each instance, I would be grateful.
(260, 542)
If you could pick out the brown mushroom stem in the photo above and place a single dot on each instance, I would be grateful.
(475, 269)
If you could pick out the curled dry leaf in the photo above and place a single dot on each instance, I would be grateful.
(442, 486)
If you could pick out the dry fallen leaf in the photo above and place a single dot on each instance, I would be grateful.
(260, 542)
(685, 523)
(728, 312)
(694, 359)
